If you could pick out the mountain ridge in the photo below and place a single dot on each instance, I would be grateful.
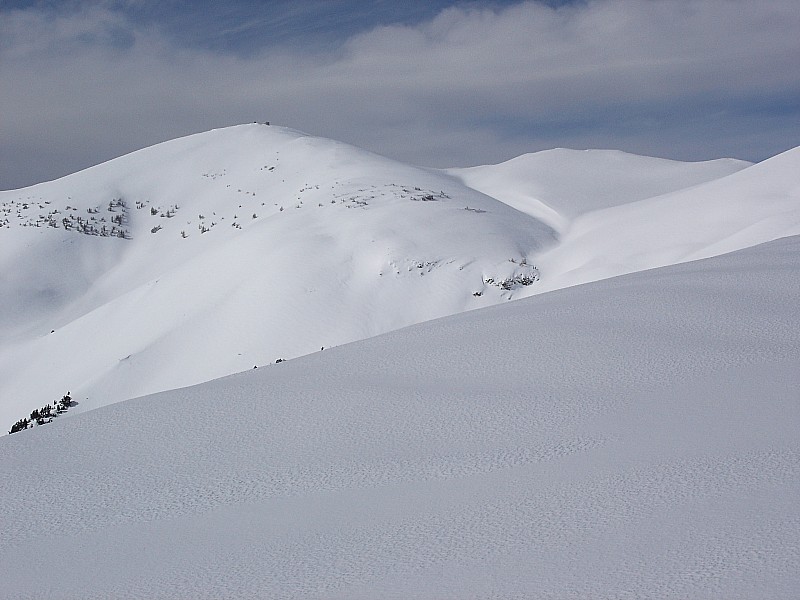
(268, 242)
(255, 243)
(561, 184)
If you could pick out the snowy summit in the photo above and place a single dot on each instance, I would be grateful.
(619, 419)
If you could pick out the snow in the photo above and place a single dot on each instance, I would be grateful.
(344, 245)
(627, 427)
(633, 437)
(617, 213)
(559, 185)
(754, 205)
(255, 243)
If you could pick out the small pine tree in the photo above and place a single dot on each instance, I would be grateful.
(19, 425)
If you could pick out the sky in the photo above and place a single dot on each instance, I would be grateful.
(436, 83)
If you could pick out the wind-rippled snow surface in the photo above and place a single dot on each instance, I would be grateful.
(630, 438)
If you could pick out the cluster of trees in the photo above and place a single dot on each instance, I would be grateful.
(92, 227)
(510, 283)
(522, 279)
(116, 202)
(43, 415)
(157, 211)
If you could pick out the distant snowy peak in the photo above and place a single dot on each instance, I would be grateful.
(754, 205)
(241, 178)
(242, 245)
(217, 252)
(560, 184)
(248, 172)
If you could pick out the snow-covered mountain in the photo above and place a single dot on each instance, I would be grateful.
(634, 436)
(558, 185)
(630, 438)
(617, 213)
(212, 254)
(751, 206)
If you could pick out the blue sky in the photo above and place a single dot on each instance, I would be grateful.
(437, 83)
(248, 27)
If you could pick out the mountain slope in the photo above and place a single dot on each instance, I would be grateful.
(754, 205)
(617, 213)
(635, 437)
(558, 185)
(222, 251)
(213, 253)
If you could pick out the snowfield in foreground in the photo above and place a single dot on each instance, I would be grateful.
(630, 438)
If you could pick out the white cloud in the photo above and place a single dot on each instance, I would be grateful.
(471, 85)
